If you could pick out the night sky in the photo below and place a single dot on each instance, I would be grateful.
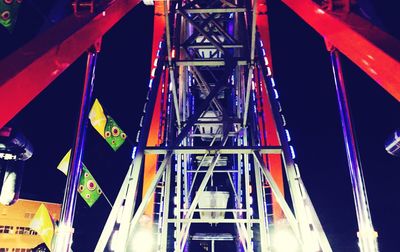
(307, 93)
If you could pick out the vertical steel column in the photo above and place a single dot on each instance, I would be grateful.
(65, 230)
(366, 234)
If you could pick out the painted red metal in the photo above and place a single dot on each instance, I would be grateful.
(267, 126)
(374, 51)
(269, 137)
(28, 71)
(263, 28)
(156, 127)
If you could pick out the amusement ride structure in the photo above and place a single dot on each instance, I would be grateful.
(214, 166)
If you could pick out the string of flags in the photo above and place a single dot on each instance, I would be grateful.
(88, 188)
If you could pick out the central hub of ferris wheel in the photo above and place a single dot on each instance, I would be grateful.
(213, 153)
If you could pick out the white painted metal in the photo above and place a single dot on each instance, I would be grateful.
(216, 144)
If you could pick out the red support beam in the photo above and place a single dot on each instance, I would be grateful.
(156, 127)
(267, 124)
(29, 70)
(374, 51)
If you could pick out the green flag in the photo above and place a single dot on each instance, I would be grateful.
(88, 187)
(106, 126)
(9, 13)
(113, 134)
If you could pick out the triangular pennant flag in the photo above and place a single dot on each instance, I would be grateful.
(9, 13)
(88, 187)
(43, 225)
(63, 165)
(106, 126)
(97, 117)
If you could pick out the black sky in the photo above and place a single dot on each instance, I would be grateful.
(307, 93)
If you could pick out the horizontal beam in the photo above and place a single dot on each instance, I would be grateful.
(371, 49)
(210, 46)
(215, 10)
(213, 150)
(220, 210)
(43, 59)
(207, 62)
(214, 171)
(213, 220)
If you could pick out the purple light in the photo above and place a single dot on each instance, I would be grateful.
(273, 82)
(292, 152)
(288, 135)
(283, 120)
(133, 152)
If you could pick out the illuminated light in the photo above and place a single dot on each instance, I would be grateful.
(153, 72)
(173, 53)
(283, 120)
(369, 232)
(279, 106)
(273, 82)
(266, 60)
(263, 51)
(284, 240)
(292, 152)
(155, 62)
(103, 13)
(158, 53)
(160, 44)
(113, 242)
(269, 73)
(365, 62)
(141, 122)
(138, 136)
(133, 152)
(373, 71)
(150, 83)
(319, 11)
(253, 85)
(276, 93)
(143, 238)
(55, 72)
(288, 135)
(261, 43)
(370, 57)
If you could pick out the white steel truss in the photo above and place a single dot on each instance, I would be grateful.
(212, 186)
